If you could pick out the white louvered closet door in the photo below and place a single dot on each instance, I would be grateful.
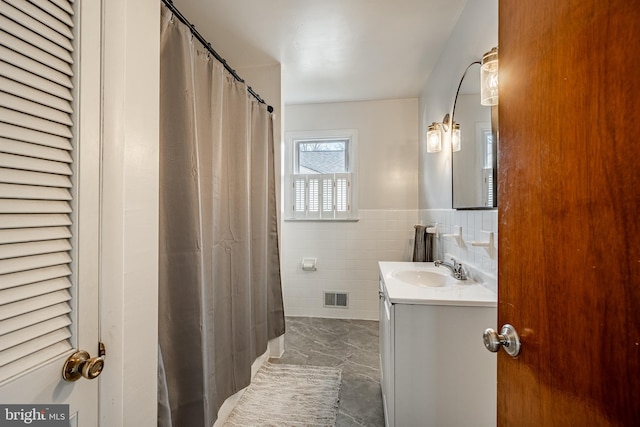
(48, 282)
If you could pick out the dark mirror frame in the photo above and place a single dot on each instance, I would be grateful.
(495, 136)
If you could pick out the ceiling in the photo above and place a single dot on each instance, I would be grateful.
(331, 50)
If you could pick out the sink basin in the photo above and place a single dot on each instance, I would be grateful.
(424, 278)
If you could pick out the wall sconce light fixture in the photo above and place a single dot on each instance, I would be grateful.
(489, 78)
(435, 133)
(434, 138)
(455, 137)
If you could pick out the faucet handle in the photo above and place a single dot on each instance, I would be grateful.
(458, 270)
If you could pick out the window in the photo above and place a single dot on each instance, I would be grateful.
(322, 171)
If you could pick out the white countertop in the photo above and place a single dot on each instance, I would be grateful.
(463, 293)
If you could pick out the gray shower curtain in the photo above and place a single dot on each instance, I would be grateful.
(220, 291)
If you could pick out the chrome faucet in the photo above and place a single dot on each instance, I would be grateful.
(457, 270)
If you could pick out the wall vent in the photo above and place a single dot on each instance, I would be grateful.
(336, 299)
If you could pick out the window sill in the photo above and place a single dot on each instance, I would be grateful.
(321, 219)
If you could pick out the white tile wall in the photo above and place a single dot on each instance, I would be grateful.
(348, 255)
(476, 226)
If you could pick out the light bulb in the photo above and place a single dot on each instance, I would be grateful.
(455, 137)
(434, 142)
(489, 78)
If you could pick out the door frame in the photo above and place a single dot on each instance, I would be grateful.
(130, 50)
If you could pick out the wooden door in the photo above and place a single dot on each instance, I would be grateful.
(49, 203)
(569, 214)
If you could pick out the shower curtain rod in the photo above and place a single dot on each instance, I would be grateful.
(207, 45)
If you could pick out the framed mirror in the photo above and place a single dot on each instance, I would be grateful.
(474, 151)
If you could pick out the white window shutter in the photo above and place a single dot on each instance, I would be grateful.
(327, 195)
(322, 196)
(343, 195)
(36, 88)
(488, 186)
(314, 196)
(299, 183)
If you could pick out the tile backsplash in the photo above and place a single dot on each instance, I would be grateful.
(347, 255)
(348, 252)
(476, 226)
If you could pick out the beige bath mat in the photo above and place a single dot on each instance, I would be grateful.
(289, 395)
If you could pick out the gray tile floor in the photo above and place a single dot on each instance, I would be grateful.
(349, 344)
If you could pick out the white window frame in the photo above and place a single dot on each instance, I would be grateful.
(316, 203)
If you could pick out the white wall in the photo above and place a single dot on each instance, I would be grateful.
(475, 33)
(387, 145)
(348, 252)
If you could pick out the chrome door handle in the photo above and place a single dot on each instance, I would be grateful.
(508, 339)
(80, 364)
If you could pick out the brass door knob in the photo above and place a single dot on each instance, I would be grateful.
(81, 364)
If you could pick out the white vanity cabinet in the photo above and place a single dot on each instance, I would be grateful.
(435, 370)
(386, 355)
